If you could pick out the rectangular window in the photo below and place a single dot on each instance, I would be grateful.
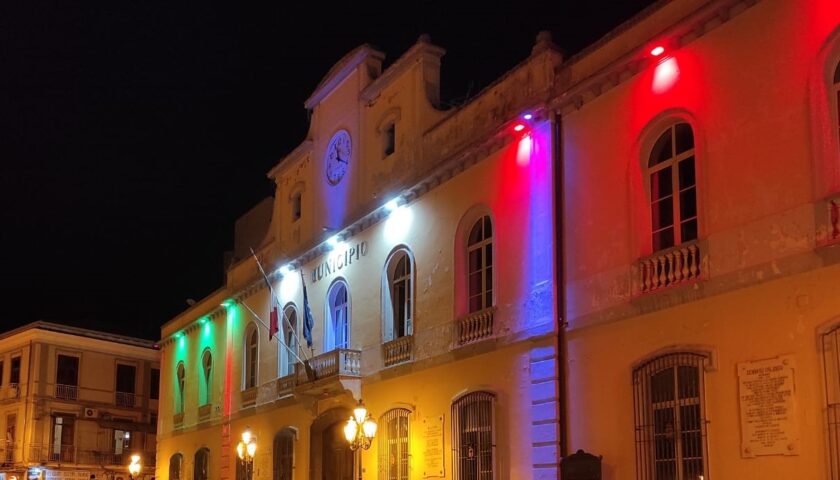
(63, 436)
(11, 437)
(297, 206)
(126, 375)
(154, 384)
(670, 423)
(1, 373)
(394, 444)
(122, 441)
(389, 139)
(14, 374)
(67, 370)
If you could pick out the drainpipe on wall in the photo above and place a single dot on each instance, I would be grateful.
(559, 282)
(26, 406)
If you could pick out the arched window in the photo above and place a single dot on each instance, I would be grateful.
(289, 328)
(176, 463)
(180, 377)
(337, 331)
(473, 442)
(394, 444)
(252, 342)
(837, 96)
(398, 294)
(284, 454)
(480, 265)
(673, 188)
(207, 370)
(202, 464)
(670, 419)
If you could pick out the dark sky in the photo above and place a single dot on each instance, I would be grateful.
(133, 134)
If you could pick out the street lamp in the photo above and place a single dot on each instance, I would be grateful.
(245, 450)
(134, 467)
(359, 432)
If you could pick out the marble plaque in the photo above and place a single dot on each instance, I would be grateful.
(432, 432)
(767, 397)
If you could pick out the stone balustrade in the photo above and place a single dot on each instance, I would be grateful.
(475, 326)
(670, 267)
(398, 351)
(335, 363)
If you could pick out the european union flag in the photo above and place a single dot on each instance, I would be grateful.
(308, 320)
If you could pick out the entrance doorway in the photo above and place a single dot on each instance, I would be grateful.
(330, 455)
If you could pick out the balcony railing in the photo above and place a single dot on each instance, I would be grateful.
(66, 392)
(178, 419)
(475, 326)
(204, 412)
(249, 396)
(126, 399)
(286, 385)
(335, 363)
(62, 453)
(398, 351)
(14, 390)
(670, 267)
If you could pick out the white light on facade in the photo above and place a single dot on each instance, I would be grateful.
(398, 224)
(392, 205)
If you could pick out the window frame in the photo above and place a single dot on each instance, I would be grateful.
(487, 290)
(154, 386)
(673, 162)
(285, 361)
(390, 321)
(250, 357)
(197, 474)
(645, 413)
(331, 342)
(180, 466)
(207, 375)
(459, 412)
(403, 444)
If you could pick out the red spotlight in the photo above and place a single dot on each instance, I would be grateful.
(518, 127)
(657, 50)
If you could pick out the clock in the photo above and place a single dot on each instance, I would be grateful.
(337, 156)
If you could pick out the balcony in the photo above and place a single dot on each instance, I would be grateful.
(475, 326)
(204, 412)
(67, 392)
(178, 420)
(14, 391)
(126, 399)
(332, 372)
(249, 396)
(670, 267)
(398, 351)
(286, 385)
(828, 221)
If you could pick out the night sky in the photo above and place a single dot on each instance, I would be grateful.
(133, 134)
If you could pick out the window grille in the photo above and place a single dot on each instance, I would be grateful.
(480, 265)
(394, 444)
(670, 418)
(673, 188)
(175, 462)
(473, 442)
(284, 454)
(202, 464)
(831, 365)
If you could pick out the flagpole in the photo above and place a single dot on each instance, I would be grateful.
(275, 297)
(247, 307)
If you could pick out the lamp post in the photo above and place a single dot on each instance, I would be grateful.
(245, 450)
(359, 432)
(134, 467)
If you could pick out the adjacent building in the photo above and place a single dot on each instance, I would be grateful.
(76, 403)
(634, 252)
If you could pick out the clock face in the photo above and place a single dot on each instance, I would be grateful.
(338, 156)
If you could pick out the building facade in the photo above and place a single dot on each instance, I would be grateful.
(702, 285)
(632, 252)
(410, 227)
(76, 403)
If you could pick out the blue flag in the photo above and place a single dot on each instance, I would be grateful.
(308, 321)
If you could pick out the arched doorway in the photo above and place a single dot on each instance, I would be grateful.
(330, 456)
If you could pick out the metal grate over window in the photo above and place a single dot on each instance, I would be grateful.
(473, 441)
(670, 418)
(831, 364)
(284, 454)
(394, 444)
